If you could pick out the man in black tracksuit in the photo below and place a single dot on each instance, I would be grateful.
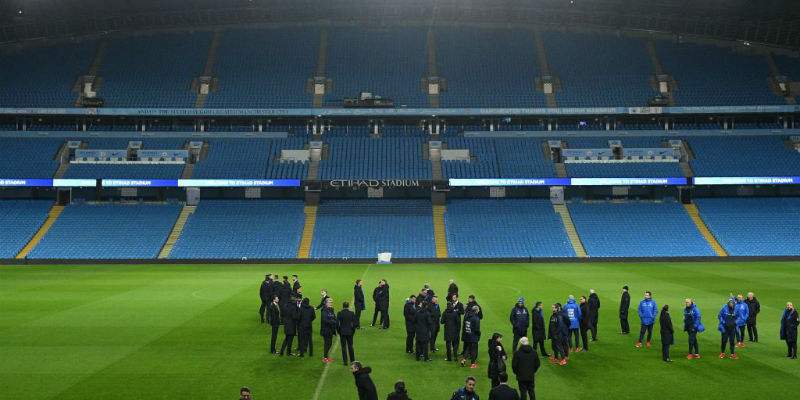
(755, 308)
(422, 330)
(291, 316)
(585, 322)
(624, 305)
(305, 328)
(358, 302)
(347, 328)
(265, 293)
(409, 314)
(435, 314)
(520, 321)
(451, 320)
(284, 292)
(594, 312)
(274, 320)
(538, 330)
(471, 335)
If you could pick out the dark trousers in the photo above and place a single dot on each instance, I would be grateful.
(791, 349)
(585, 337)
(565, 346)
(287, 344)
(274, 338)
(525, 390)
(385, 318)
(326, 347)
(471, 351)
(752, 331)
(358, 317)
(346, 342)
(740, 334)
(517, 337)
(593, 327)
(665, 351)
(452, 348)
(649, 329)
(375, 315)
(306, 344)
(729, 336)
(693, 349)
(574, 332)
(262, 310)
(623, 323)
(558, 352)
(422, 348)
(434, 335)
(542, 351)
(409, 340)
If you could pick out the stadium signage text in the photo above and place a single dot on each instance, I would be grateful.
(374, 183)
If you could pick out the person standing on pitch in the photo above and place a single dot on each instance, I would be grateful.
(364, 384)
(525, 364)
(458, 306)
(291, 316)
(384, 303)
(692, 326)
(502, 391)
(556, 332)
(274, 320)
(538, 330)
(594, 313)
(265, 293)
(295, 283)
(472, 303)
(451, 320)
(324, 300)
(520, 321)
(409, 314)
(741, 320)
(585, 323)
(624, 306)
(789, 322)
(667, 333)
(497, 358)
(452, 289)
(755, 308)
(648, 311)
(467, 392)
(422, 330)
(727, 325)
(305, 328)
(573, 312)
(346, 325)
(471, 336)
(376, 296)
(435, 314)
(327, 329)
(285, 292)
(358, 302)
(400, 392)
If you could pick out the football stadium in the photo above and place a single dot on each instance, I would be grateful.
(427, 199)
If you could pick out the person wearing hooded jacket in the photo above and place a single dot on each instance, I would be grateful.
(364, 384)
(409, 314)
(497, 358)
(451, 320)
(755, 308)
(573, 311)
(538, 329)
(692, 326)
(400, 392)
(789, 322)
(585, 323)
(471, 335)
(520, 321)
(555, 333)
(525, 364)
(667, 332)
(648, 311)
(727, 326)
(594, 313)
(741, 320)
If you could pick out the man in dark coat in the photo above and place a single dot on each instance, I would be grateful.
(383, 302)
(376, 296)
(451, 290)
(291, 317)
(520, 321)
(305, 328)
(789, 322)
(451, 320)
(364, 385)
(472, 303)
(274, 320)
(503, 391)
(585, 323)
(285, 292)
(295, 283)
(667, 333)
(324, 300)
(457, 305)
(594, 311)
(755, 308)
(409, 314)
(358, 302)
(539, 334)
(624, 305)
(557, 333)
(347, 328)
(467, 392)
(471, 335)
(327, 328)
(525, 364)
(435, 314)
(265, 293)
(422, 330)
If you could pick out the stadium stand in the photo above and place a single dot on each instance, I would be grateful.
(28, 158)
(753, 226)
(638, 230)
(740, 79)
(242, 228)
(20, 220)
(599, 70)
(482, 165)
(265, 68)
(487, 67)
(124, 171)
(503, 158)
(625, 170)
(364, 228)
(387, 63)
(153, 70)
(748, 156)
(43, 76)
(372, 158)
(514, 228)
(246, 158)
(101, 231)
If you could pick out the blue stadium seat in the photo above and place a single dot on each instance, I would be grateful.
(246, 158)
(373, 158)
(29, 158)
(20, 220)
(743, 156)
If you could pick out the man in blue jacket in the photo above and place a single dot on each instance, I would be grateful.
(573, 311)
(520, 321)
(467, 392)
(692, 326)
(727, 325)
(648, 311)
(741, 320)
(471, 336)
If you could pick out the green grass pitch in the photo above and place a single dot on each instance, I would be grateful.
(191, 331)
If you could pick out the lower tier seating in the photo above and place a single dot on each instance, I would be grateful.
(20, 219)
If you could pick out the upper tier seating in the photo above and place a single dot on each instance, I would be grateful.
(364, 228)
(753, 226)
(372, 158)
(505, 228)
(638, 230)
(242, 228)
(503, 158)
(625, 170)
(28, 158)
(20, 220)
(250, 159)
(104, 231)
(743, 156)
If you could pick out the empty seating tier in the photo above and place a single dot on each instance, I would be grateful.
(20, 219)
(250, 159)
(373, 158)
(743, 156)
(28, 158)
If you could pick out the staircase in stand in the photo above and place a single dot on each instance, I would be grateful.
(208, 69)
(694, 213)
(439, 233)
(52, 216)
(176, 231)
(572, 233)
(308, 232)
